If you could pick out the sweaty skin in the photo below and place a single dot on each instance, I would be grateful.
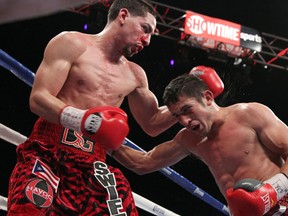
(79, 74)
(86, 71)
(235, 142)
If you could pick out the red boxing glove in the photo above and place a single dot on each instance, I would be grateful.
(210, 77)
(106, 125)
(251, 197)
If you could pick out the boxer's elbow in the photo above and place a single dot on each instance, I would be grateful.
(152, 131)
(33, 103)
(155, 128)
(141, 170)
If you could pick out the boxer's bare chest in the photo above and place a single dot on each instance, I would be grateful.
(229, 147)
(101, 81)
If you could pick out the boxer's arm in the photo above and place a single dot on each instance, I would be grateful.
(271, 131)
(146, 111)
(51, 76)
(161, 156)
(145, 108)
(273, 134)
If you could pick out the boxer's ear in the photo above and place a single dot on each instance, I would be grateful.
(122, 15)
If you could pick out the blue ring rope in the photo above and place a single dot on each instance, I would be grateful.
(27, 76)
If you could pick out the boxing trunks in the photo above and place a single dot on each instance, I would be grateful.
(279, 209)
(60, 172)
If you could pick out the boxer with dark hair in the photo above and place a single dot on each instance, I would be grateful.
(244, 145)
(78, 89)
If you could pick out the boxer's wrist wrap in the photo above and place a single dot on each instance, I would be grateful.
(71, 118)
(280, 184)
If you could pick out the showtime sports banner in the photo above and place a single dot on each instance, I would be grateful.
(223, 31)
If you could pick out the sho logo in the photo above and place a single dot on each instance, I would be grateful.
(197, 24)
(93, 123)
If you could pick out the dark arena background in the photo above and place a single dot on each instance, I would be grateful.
(261, 77)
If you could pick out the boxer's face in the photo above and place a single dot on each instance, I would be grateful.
(138, 31)
(192, 114)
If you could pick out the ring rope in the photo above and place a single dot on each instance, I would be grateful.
(27, 76)
(3, 203)
(16, 138)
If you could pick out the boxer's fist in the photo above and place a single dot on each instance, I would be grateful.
(106, 125)
(251, 197)
(210, 77)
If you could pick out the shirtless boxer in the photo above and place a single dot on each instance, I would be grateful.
(78, 89)
(245, 146)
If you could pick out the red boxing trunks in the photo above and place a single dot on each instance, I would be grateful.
(276, 209)
(60, 172)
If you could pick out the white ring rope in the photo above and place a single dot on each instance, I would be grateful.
(11, 136)
(16, 138)
(3, 203)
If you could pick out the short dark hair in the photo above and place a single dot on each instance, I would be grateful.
(135, 7)
(184, 85)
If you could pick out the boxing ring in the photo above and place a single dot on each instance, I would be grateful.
(15, 138)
